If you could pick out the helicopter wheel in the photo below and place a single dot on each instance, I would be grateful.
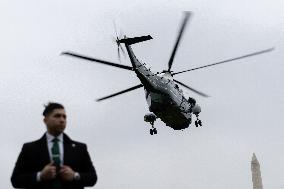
(155, 131)
(196, 123)
(199, 122)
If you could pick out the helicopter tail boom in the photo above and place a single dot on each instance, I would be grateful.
(130, 41)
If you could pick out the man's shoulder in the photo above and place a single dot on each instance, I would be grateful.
(74, 142)
(80, 144)
(32, 145)
(34, 142)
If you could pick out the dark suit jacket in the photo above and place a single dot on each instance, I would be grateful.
(34, 156)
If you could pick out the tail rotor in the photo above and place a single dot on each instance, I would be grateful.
(116, 40)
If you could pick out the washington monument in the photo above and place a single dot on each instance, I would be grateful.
(256, 174)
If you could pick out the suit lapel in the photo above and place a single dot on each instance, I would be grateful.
(67, 149)
(44, 154)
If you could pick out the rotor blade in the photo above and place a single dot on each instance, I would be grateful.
(118, 54)
(115, 30)
(121, 92)
(192, 89)
(184, 22)
(123, 52)
(113, 39)
(97, 60)
(121, 34)
(229, 60)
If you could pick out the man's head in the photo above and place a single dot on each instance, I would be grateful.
(54, 118)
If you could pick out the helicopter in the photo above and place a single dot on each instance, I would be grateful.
(164, 97)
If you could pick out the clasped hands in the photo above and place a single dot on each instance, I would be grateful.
(66, 173)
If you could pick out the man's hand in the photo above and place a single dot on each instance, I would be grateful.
(66, 173)
(48, 172)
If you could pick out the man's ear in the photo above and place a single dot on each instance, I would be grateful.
(44, 120)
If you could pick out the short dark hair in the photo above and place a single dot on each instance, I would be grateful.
(50, 107)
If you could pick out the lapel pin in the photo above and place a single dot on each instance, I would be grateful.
(73, 145)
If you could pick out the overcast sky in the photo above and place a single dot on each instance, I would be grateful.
(242, 116)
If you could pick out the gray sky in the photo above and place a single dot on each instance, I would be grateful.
(242, 116)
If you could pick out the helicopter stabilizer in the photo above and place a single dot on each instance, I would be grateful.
(130, 41)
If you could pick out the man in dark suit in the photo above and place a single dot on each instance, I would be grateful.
(54, 161)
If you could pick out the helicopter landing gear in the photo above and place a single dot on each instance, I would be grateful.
(153, 131)
(198, 122)
(151, 118)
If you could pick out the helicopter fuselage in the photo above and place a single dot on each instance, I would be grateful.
(164, 97)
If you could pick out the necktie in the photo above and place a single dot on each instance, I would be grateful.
(55, 152)
(56, 159)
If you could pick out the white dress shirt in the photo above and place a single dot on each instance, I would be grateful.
(49, 139)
